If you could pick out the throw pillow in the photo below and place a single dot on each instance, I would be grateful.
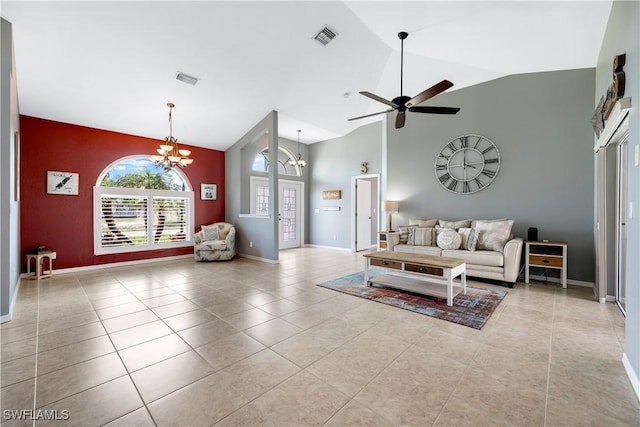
(449, 240)
(469, 238)
(454, 224)
(403, 230)
(210, 233)
(492, 235)
(421, 236)
(428, 223)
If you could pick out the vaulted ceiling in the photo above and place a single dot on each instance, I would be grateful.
(112, 65)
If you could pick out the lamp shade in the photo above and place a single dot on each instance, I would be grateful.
(391, 206)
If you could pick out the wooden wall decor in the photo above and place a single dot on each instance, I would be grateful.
(332, 195)
(608, 100)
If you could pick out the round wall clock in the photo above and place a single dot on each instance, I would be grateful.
(467, 164)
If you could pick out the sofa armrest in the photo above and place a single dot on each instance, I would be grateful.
(198, 237)
(393, 238)
(512, 257)
(231, 239)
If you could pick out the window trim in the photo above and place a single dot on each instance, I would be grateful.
(98, 192)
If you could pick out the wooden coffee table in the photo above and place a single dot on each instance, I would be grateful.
(423, 274)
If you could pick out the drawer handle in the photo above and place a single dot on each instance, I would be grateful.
(545, 261)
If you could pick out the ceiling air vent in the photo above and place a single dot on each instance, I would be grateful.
(325, 35)
(185, 78)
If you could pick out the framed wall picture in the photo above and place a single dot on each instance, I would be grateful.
(65, 183)
(332, 195)
(208, 191)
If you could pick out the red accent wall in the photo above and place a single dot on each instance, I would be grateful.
(65, 223)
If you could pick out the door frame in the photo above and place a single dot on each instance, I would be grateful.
(375, 204)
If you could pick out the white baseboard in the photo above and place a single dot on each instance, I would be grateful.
(120, 264)
(256, 258)
(633, 376)
(330, 247)
(7, 317)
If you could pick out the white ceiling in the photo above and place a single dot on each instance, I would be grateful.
(111, 65)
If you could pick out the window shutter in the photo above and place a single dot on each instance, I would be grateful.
(123, 221)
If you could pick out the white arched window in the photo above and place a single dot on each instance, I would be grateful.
(261, 162)
(139, 206)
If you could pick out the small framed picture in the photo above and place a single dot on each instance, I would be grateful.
(208, 191)
(332, 195)
(65, 183)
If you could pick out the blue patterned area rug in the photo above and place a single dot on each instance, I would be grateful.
(473, 309)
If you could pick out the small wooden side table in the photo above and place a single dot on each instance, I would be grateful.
(546, 254)
(40, 271)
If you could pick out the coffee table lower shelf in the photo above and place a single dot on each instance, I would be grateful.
(418, 286)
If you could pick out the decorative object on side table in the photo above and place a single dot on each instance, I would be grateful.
(208, 191)
(62, 183)
(390, 207)
(467, 164)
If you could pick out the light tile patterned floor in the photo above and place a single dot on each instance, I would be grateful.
(249, 343)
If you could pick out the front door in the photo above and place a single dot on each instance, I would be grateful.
(290, 214)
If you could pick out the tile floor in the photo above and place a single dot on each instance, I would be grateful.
(249, 343)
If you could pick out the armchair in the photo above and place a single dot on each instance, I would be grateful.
(215, 242)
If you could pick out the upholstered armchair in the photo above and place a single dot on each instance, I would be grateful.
(215, 242)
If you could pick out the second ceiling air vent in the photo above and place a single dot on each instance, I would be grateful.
(325, 35)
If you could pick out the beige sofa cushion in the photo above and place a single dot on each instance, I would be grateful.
(492, 235)
(421, 236)
(427, 223)
(454, 224)
(449, 239)
(488, 258)
(213, 245)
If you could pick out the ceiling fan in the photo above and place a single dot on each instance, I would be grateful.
(403, 103)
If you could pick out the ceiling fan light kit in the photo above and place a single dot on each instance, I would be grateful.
(403, 103)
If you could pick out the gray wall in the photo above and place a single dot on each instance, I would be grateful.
(9, 207)
(541, 125)
(333, 163)
(622, 36)
(263, 231)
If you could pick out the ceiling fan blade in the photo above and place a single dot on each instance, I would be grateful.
(379, 99)
(434, 110)
(369, 115)
(429, 93)
(400, 119)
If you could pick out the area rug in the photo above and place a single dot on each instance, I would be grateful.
(472, 310)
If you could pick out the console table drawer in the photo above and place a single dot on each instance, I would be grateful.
(542, 260)
(387, 264)
(423, 269)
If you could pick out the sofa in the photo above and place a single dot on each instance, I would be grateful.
(215, 242)
(487, 246)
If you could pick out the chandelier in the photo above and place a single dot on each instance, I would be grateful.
(168, 154)
(298, 161)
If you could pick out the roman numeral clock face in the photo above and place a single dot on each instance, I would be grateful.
(467, 164)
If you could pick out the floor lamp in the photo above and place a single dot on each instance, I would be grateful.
(391, 207)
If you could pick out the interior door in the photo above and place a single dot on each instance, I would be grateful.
(289, 214)
(363, 214)
(621, 225)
